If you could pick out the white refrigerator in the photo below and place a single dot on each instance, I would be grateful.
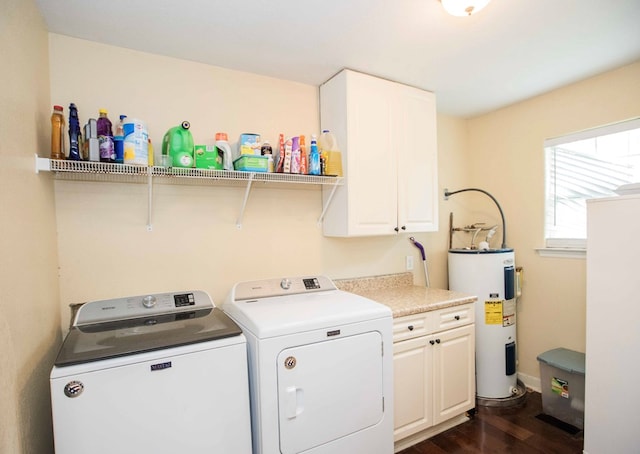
(612, 392)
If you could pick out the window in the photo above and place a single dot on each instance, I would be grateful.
(586, 165)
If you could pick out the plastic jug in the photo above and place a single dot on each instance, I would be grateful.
(136, 142)
(57, 133)
(329, 148)
(224, 149)
(178, 147)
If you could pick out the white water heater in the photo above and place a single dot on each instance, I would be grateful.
(490, 275)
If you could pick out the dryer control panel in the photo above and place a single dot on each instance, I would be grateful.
(281, 286)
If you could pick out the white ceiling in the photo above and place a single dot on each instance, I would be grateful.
(510, 51)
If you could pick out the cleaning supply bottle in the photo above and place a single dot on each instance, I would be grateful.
(224, 148)
(288, 146)
(105, 138)
(150, 152)
(57, 133)
(280, 156)
(295, 155)
(314, 157)
(303, 157)
(118, 140)
(136, 142)
(267, 150)
(330, 151)
(75, 136)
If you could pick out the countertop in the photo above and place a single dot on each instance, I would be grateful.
(398, 292)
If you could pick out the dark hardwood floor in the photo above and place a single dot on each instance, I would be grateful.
(504, 430)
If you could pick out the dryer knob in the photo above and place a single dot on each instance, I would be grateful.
(285, 284)
(149, 301)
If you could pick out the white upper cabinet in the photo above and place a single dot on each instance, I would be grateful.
(387, 134)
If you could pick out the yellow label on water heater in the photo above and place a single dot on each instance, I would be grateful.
(493, 312)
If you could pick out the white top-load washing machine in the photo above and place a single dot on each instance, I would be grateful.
(163, 373)
(320, 367)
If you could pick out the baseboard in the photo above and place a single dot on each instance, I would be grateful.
(530, 381)
(428, 433)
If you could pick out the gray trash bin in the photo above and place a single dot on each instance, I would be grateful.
(562, 382)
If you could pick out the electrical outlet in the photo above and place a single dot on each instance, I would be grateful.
(409, 262)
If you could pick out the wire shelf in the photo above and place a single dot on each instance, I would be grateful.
(94, 171)
(105, 171)
(126, 173)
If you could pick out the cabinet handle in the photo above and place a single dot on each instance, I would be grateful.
(404, 227)
(432, 342)
(437, 341)
(410, 327)
(457, 317)
(396, 229)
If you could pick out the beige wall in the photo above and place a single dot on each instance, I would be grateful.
(29, 305)
(506, 158)
(105, 248)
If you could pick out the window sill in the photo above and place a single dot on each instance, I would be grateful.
(565, 253)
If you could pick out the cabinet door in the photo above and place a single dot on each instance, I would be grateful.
(372, 163)
(416, 146)
(454, 372)
(357, 109)
(412, 387)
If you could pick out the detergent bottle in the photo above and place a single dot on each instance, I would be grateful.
(329, 149)
(222, 144)
(177, 146)
(136, 142)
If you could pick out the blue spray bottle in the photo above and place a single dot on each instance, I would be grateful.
(74, 133)
(314, 157)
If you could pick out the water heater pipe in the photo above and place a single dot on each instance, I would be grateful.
(504, 224)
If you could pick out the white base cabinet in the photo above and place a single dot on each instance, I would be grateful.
(387, 134)
(434, 372)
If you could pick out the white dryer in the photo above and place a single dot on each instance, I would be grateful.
(163, 373)
(320, 367)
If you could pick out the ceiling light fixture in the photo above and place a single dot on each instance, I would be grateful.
(463, 7)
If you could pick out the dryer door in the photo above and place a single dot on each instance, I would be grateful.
(329, 390)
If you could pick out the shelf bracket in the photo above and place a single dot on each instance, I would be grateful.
(43, 164)
(244, 202)
(149, 198)
(326, 205)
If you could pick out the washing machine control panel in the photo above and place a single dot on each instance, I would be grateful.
(141, 306)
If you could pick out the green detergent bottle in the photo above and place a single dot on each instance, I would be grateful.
(177, 147)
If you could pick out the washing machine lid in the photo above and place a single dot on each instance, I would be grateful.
(126, 326)
(276, 307)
